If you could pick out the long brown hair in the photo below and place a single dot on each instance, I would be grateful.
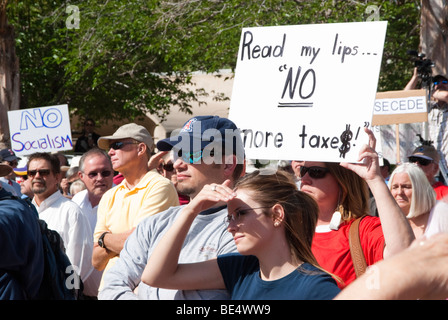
(301, 210)
(353, 192)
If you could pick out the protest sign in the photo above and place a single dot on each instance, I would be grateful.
(44, 129)
(399, 107)
(306, 92)
(393, 107)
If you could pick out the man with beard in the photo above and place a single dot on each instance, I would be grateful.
(95, 171)
(60, 214)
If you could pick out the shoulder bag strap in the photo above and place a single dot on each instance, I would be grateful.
(359, 261)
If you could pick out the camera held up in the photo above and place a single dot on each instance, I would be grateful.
(424, 67)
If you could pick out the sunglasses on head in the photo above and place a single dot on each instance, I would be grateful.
(104, 174)
(440, 82)
(117, 145)
(421, 161)
(314, 172)
(41, 172)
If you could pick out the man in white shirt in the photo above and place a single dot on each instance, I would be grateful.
(95, 170)
(60, 213)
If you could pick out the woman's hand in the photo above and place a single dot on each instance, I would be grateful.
(211, 195)
(369, 169)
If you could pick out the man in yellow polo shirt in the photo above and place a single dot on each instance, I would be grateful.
(142, 193)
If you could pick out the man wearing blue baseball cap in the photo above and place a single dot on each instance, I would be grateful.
(203, 136)
(208, 150)
(9, 157)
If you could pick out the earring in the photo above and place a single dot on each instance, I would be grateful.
(276, 224)
(336, 220)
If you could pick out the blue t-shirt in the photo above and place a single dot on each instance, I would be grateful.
(241, 276)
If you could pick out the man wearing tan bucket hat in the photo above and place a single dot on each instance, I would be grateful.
(143, 192)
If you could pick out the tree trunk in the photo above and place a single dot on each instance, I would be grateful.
(9, 76)
(434, 34)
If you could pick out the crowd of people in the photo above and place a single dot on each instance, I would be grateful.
(190, 223)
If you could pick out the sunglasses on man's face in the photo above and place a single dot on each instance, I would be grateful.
(421, 161)
(41, 172)
(440, 82)
(117, 145)
(192, 157)
(314, 172)
(104, 174)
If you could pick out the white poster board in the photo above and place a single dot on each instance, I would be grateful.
(306, 92)
(45, 129)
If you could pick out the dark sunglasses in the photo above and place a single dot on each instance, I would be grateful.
(42, 172)
(314, 172)
(440, 82)
(168, 167)
(420, 161)
(192, 157)
(120, 144)
(104, 174)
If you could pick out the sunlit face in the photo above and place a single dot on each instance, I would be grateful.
(43, 181)
(192, 177)
(295, 165)
(97, 174)
(26, 188)
(124, 157)
(401, 189)
(324, 190)
(251, 229)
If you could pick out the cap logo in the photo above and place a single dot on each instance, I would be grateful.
(188, 127)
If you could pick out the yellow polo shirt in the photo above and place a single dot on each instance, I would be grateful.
(121, 209)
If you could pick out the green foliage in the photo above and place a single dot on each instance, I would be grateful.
(128, 58)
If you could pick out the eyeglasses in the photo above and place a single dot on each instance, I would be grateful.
(314, 172)
(192, 157)
(421, 161)
(104, 174)
(238, 214)
(440, 82)
(42, 172)
(168, 167)
(117, 145)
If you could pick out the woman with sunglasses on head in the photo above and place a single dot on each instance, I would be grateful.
(417, 199)
(272, 224)
(342, 194)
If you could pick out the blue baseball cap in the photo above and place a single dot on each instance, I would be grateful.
(201, 131)
(8, 155)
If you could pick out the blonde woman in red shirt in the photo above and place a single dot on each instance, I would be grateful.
(342, 193)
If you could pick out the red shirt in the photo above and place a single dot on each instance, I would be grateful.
(332, 249)
(440, 189)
